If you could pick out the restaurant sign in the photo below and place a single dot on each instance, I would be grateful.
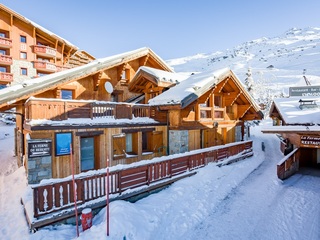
(310, 141)
(39, 148)
(305, 91)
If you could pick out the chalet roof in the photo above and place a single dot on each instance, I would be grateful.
(26, 20)
(195, 86)
(163, 76)
(292, 112)
(158, 77)
(35, 86)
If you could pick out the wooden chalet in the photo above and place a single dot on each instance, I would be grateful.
(206, 110)
(122, 108)
(296, 122)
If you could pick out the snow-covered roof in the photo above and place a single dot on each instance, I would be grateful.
(34, 86)
(162, 75)
(291, 113)
(190, 89)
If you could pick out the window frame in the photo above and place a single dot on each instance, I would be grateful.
(23, 39)
(22, 71)
(22, 54)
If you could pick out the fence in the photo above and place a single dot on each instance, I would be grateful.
(56, 196)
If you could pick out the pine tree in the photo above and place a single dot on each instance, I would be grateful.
(249, 81)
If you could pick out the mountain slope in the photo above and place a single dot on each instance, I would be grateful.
(275, 63)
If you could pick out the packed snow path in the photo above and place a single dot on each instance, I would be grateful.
(244, 200)
(264, 207)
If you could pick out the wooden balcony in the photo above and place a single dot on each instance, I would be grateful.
(5, 60)
(44, 66)
(6, 78)
(44, 51)
(5, 43)
(58, 110)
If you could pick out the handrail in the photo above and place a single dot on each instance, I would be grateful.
(57, 195)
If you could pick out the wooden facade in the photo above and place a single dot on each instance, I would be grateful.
(101, 107)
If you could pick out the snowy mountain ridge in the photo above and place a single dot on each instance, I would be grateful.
(275, 63)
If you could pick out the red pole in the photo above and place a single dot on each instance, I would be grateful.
(74, 190)
(107, 194)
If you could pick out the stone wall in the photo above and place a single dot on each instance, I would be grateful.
(179, 141)
(39, 168)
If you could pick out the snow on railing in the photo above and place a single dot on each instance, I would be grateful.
(288, 165)
(49, 197)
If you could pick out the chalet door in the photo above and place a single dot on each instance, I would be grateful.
(87, 153)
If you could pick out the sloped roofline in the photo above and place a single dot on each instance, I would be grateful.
(28, 88)
(26, 20)
(214, 78)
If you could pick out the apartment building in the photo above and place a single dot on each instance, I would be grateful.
(28, 50)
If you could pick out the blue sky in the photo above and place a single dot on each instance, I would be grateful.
(171, 28)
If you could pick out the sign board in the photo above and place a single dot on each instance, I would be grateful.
(310, 141)
(39, 148)
(63, 141)
(308, 91)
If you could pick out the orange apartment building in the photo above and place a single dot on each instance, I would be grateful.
(28, 50)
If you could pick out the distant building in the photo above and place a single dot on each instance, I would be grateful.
(296, 120)
(28, 50)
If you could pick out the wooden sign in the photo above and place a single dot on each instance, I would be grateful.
(310, 141)
(39, 148)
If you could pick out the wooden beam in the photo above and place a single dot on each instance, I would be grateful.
(96, 80)
(242, 109)
(225, 82)
(143, 61)
(251, 116)
(231, 97)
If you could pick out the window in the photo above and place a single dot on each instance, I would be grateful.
(129, 142)
(132, 143)
(23, 55)
(218, 101)
(23, 39)
(2, 86)
(87, 153)
(3, 52)
(66, 94)
(23, 71)
(3, 69)
(2, 34)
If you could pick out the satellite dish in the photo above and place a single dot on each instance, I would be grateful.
(108, 86)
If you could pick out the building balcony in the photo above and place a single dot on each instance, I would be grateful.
(44, 51)
(62, 68)
(5, 43)
(58, 110)
(45, 66)
(5, 60)
(6, 78)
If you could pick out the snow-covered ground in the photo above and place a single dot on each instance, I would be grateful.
(244, 200)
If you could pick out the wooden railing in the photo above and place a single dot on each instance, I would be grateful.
(58, 110)
(289, 165)
(57, 196)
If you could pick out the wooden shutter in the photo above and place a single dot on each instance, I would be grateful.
(119, 146)
(157, 141)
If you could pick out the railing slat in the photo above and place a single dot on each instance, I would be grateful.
(57, 196)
